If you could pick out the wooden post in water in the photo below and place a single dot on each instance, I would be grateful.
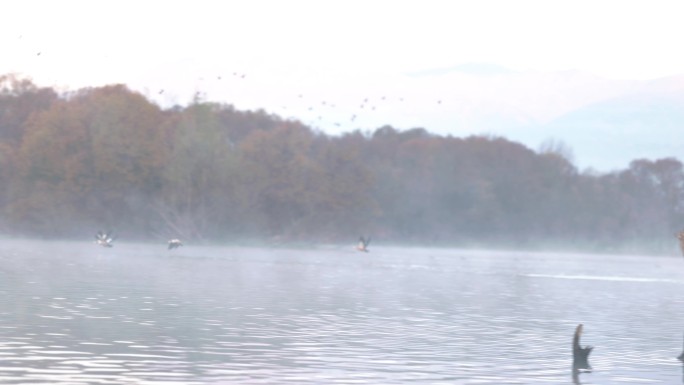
(681, 356)
(580, 355)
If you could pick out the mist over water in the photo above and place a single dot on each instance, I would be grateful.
(75, 313)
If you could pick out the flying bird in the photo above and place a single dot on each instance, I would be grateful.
(175, 243)
(104, 239)
(580, 355)
(363, 244)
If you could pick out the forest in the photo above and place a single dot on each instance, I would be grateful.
(107, 158)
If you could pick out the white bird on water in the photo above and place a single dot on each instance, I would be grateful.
(175, 243)
(104, 239)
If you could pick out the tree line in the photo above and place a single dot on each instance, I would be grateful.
(75, 162)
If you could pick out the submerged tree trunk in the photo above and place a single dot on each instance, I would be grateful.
(580, 355)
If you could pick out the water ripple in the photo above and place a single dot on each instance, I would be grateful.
(250, 316)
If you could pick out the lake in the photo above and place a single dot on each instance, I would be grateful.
(76, 313)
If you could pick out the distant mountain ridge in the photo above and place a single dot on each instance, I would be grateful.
(643, 123)
(607, 122)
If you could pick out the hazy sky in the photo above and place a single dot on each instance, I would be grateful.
(340, 51)
(83, 41)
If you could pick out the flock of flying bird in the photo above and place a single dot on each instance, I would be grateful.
(319, 112)
(106, 239)
(311, 113)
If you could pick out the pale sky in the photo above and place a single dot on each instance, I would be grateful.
(83, 41)
(340, 51)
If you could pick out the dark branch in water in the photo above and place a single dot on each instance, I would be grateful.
(580, 355)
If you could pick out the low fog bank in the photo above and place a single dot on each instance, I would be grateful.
(259, 246)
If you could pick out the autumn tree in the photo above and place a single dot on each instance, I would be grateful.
(198, 197)
(108, 158)
(93, 158)
(281, 178)
(344, 203)
(19, 98)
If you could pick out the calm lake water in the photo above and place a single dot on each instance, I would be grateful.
(76, 313)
